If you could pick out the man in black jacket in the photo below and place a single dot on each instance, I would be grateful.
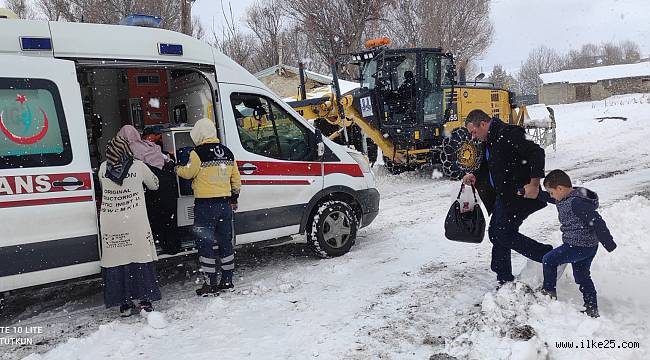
(508, 181)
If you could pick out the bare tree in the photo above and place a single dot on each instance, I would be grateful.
(500, 78)
(336, 27)
(232, 41)
(461, 27)
(110, 11)
(631, 51)
(405, 23)
(297, 48)
(52, 9)
(266, 22)
(611, 54)
(197, 29)
(22, 8)
(540, 60)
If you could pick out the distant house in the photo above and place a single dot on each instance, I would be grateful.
(597, 83)
(284, 81)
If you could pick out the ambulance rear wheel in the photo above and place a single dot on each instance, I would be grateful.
(333, 229)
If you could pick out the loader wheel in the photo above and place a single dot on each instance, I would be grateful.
(460, 154)
(394, 168)
(333, 229)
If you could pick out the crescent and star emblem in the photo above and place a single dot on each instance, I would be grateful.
(26, 116)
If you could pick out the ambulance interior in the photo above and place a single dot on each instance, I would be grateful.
(168, 99)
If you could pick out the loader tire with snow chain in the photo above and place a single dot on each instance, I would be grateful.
(460, 154)
(333, 229)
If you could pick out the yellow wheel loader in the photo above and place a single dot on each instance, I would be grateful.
(409, 106)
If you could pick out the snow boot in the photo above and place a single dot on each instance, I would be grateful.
(208, 290)
(127, 309)
(591, 310)
(226, 285)
(146, 306)
(551, 293)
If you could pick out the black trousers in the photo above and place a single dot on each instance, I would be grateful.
(505, 236)
(161, 210)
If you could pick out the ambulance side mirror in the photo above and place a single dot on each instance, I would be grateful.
(320, 146)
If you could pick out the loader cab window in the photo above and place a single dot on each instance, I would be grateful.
(32, 123)
(368, 74)
(431, 90)
(267, 129)
(399, 71)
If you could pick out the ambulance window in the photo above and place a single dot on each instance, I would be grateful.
(33, 130)
(267, 129)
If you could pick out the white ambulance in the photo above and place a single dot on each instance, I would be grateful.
(67, 88)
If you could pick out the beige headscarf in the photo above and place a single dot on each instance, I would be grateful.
(203, 130)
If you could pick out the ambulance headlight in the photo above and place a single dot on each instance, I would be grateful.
(362, 161)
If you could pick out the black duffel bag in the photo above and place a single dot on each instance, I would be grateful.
(467, 226)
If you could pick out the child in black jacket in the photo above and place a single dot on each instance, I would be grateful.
(582, 229)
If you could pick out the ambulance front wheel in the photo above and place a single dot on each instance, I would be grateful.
(333, 229)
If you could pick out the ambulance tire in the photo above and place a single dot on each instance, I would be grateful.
(332, 229)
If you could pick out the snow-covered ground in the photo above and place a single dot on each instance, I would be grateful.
(404, 291)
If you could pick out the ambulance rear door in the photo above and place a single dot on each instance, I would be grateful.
(48, 215)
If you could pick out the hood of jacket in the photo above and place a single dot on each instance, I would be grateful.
(204, 130)
(587, 196)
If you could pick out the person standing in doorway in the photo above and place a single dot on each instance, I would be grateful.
(216, 184)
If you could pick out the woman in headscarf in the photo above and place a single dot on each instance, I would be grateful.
(161, 203)
(127, 248)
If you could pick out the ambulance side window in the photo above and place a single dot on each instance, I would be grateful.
(267, 129)
(33, 129)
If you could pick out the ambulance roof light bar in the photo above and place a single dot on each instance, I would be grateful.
(141, 20)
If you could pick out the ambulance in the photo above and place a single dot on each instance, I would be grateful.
(67, 88)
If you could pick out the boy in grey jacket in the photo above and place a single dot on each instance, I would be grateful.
(582, 229)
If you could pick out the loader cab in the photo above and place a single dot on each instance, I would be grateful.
(407, 85)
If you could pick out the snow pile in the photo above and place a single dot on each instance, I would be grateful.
(517, 322)
(155, 319)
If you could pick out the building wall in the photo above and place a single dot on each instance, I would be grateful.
(561, 93)
(558, 93)
(599, 92)
(626, 86)
(287, 85)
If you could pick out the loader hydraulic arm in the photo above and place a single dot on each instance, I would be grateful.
(327, 108)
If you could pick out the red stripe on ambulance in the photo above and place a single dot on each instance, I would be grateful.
(276, 168)
(44, 183)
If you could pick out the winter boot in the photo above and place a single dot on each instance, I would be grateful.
(208, 290)
(226, 285)
(591, 310)
(146, 306)
(551, 293)
(127, 309)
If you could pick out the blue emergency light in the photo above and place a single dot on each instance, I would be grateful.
(170, 49)
(141, 20)
(35, 43)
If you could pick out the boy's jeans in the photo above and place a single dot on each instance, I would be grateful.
(580, 259)
(213, 219)
(505, 236)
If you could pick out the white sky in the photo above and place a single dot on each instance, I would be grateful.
(521, 25)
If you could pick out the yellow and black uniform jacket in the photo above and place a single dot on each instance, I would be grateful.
(213, 171)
